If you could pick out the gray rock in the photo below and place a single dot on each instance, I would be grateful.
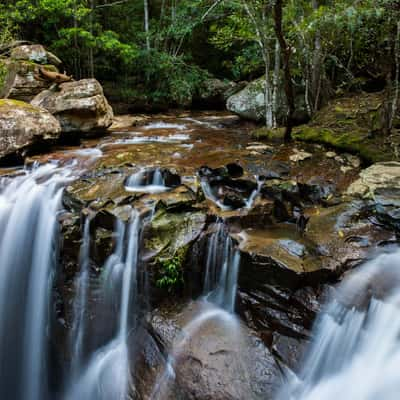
(385, 175)
(299, 155)
(20, 80)
(22, 125)
(215, 358)
(35, 53)
(380, 183)
(249, 103)
(216, 91)
(80, 106)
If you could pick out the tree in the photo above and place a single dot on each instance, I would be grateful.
(286, 51)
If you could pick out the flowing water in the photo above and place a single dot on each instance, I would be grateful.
(146, 180)
(216, 305)
(356, 351)
(28, 218)
(222, 269)
(80, 303)
(108, 373)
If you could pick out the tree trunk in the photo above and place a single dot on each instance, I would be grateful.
(286, 52)
(146, 23)
(316, 65)
(91, 60)
(77, 53)
(396, 77)
(267, 91)
(275, 83)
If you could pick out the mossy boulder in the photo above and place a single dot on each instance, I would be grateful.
(18, 79)
(80, 106)
(354, 124)
(171, 231)
(23, 125)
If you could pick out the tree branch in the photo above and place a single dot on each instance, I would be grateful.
(115, 3)
(210, 10)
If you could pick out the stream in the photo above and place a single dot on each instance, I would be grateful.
(91, 237)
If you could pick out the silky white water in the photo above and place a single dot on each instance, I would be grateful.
(216, 306)
(107, 374)
(355, 354)
(28, 219)
(147, 181)
(222, 269)
(80, 303)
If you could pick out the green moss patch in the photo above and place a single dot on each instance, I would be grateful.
(9, 104)
(269, 134)
(354, 124)
(3, 75)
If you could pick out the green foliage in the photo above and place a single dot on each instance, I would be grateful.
(108, 39)
(3, 74)
(170, 79)
(171, 270)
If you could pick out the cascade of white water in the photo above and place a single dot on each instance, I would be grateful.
(107, 375)
(149, 181)
(217, 305)
(356, 351)
(80, 301)
(28, 218)
(222, 269)
(250, 201)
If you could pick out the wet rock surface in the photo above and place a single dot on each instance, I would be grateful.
(211, 362)
(297, 236)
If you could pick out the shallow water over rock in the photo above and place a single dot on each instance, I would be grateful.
(286, 223)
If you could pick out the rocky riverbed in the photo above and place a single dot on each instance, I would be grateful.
(300, 215)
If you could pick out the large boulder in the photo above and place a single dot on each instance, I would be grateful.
(80, 106)
(18, 79)
(377, 178)
(22, 125)
(354, 123)
(35, 53)
(380, 186)
(213, 355)
(215, 92)
(249, 103)
(19, 71)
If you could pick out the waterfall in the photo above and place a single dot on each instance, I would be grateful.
(80, 302)
(216, 306)
(356, 351)
(146, 180)
(28, 218)
(107, 374)
(222, 269)
(250, 201)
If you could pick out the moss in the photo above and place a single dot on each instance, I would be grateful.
(8, 103)
(50, 67)
(170, 271)
(269, 134)
(354, 124)
(371, 149)
(3, 75)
